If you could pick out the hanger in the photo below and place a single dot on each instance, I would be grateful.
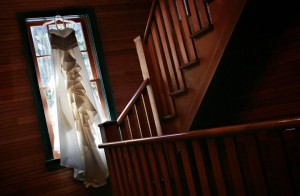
(57, 18)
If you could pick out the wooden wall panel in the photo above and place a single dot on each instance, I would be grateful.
(22, 161)
(277, 92)
(258, 77)
(121, 56)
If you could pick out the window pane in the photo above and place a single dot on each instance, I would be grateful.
(40, 41)
(44, 64)
(49, 93)
(87, 64)
(100, 108)
(79, 35)
(51, 100)
(54, 26)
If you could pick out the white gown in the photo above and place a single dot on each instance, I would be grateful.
(76, 111)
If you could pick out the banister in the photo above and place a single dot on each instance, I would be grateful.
(149, 21)
(133, 100)
(214, 132)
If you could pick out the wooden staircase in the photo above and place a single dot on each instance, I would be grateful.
(180, 51)
(149, 148)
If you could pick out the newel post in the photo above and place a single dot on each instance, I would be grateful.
(110, 131)
(144, 68)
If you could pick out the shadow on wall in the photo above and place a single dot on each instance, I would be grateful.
(244, 62)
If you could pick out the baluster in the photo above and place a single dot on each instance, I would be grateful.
(195, 21)
(204, 14)
(216, 166)
(143, 118)
(234, 166)
(201, 9)
(120, 177)
(130, 173)
(116, 185)
(134, 124)
(160, 72)
(275, 165)
(165, 108)
(187, 168)
(160, 57)
(251, 164)
(178, 33)
(123, 170)
(201, 168)
(139, 123)
(291, 138)
(186, 29)
(169, 28)
(168, 63)
(148, 175)
(139, 172)
(125, 130)
(149, 101)
(154, 169)
(149, 115)
(160, 152)
(174, 168)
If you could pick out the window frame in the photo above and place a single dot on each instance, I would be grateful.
(94, 39)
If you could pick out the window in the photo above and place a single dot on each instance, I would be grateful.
(40, 51)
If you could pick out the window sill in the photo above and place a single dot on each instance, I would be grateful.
(53, 165)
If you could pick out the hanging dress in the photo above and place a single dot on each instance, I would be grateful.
(76, 112)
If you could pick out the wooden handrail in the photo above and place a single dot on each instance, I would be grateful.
(132, 101)
(214, 132)
(149, 21)
(138, 119)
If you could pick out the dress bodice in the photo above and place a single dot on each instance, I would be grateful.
(64, 39)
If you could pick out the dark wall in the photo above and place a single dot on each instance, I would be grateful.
(22, 162)
(259, 75)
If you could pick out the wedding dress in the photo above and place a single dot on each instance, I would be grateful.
(76, 112)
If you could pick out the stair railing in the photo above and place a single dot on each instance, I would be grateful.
(169, 47)
(138, 119)
(251, 159)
